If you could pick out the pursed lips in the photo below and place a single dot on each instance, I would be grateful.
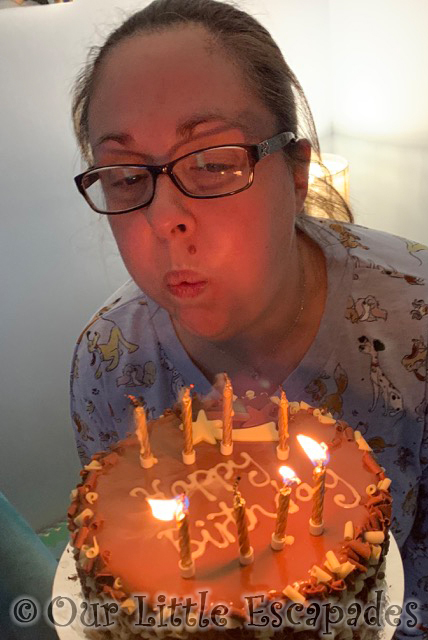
(185, 283)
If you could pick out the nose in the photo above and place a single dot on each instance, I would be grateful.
(169, 214)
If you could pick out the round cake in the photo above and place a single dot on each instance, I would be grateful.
(231, 494)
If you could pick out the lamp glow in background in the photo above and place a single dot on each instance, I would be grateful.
(332, 169)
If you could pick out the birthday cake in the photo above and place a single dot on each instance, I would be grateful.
(243, 538)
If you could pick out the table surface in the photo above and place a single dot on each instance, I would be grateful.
(67, 585)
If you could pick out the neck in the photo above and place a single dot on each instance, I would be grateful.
(264, 354)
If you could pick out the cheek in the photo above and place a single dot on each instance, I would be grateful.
(125, 239)
(130, 231)
(263, 230)
(132, 239)
(264, 242)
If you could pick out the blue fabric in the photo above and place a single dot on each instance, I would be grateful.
(27, 570)
(367, 365)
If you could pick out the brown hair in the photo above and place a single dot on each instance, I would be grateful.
(251, 47)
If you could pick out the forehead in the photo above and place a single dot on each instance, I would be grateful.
(151, 83)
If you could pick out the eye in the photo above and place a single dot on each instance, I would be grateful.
(128, 181)
(216, 167)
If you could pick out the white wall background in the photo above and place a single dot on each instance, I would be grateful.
(379, 58)
(363, 68)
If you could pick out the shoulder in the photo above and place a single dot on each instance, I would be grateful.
(119, 308)
(391, 255)
(129, 295)
(122, 329)
(117, 353)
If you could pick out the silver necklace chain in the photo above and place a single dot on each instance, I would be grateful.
(255, 373)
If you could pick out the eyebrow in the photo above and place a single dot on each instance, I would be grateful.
(246, 121)
(243, 121)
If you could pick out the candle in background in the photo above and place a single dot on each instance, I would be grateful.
(147, 459)
(226, 446)
(246, 553)
(186, 416)
(318, 454)
(282, 449)
(177, 509)
(289, 478)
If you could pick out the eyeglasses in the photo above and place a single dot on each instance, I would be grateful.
(213, 172)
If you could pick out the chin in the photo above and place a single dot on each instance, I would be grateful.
(205, 325)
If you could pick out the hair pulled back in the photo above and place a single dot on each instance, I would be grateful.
(250, 46)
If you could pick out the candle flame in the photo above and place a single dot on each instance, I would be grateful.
(169, 509)
(316, 452)
(288, 475)
(182, 503)
(163, 509)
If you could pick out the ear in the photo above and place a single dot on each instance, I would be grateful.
(301, 172)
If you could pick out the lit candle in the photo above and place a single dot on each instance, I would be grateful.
(186, 564)
(318, 496)
(246, 553)
(226, 446)
(186, 414)
(282, 448)
(278, 537)
(178, 509)
(147, 459)
(318, 454)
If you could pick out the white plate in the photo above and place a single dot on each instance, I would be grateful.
(67, 585)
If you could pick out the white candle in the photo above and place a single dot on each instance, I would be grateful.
(186, 413)
(282, 449)
(226, 442)
(147, 459)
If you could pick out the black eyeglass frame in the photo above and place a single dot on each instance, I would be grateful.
(255, 152)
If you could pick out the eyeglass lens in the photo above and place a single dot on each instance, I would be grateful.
(211, 172)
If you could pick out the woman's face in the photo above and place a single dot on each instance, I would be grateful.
(160, 96)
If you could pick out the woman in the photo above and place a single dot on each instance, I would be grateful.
(228, 272)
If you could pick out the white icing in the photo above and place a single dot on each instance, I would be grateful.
(326, 419)
(339, 498)
(203, 430)
(292, 507)
(251, 513)
(266, 432)
(222, 531)
(155, 494)
(304, 491)
(252, 476)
